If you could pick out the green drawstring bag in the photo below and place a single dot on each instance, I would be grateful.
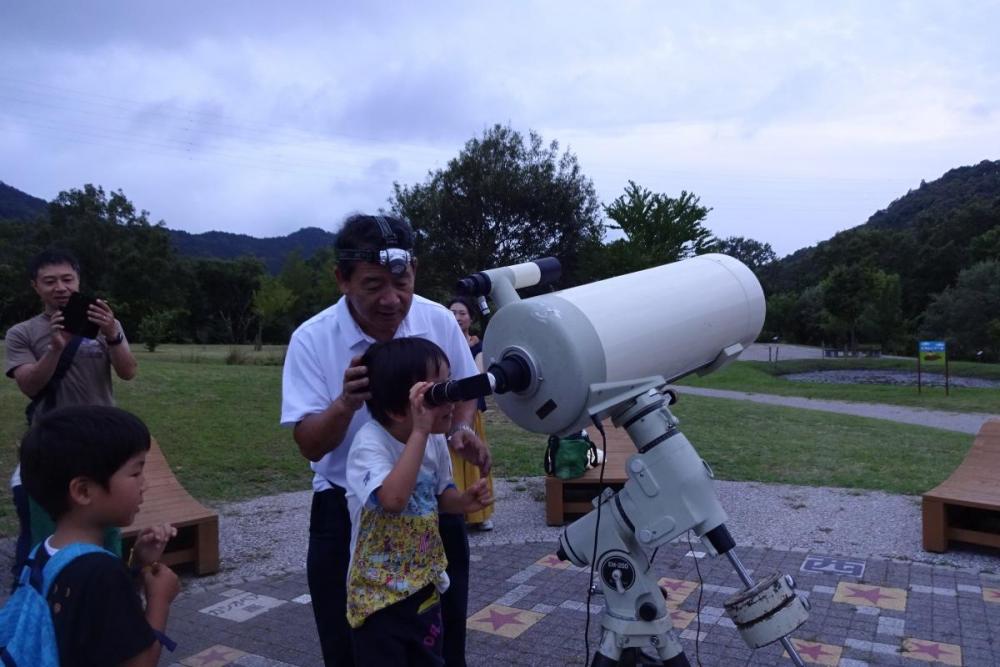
(567, 458)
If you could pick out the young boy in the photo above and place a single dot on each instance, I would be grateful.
(83, 465)
(398, 477)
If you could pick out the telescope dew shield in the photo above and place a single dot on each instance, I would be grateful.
(670, 320)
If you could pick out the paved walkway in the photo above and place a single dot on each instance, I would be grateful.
(950, 421)
(527, 608)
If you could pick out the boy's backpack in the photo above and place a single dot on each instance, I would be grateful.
(27, 636)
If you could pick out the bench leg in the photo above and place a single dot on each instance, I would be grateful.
(207, 558)
(554, 501)
(935, 528)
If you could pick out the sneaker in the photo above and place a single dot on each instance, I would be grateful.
(485, 525)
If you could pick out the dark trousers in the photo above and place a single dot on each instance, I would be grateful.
(407, 633)
(455, 601)
(326, 571)
(23, 547)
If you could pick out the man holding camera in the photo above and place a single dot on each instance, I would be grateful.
(55, 368)
(324, 389)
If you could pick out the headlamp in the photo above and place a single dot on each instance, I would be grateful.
(394, 259)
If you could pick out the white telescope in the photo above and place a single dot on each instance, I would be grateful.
(669, 321)
(559, 361)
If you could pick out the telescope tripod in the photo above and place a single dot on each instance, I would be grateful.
(669, 492)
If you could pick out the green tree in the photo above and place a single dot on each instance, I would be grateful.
(986, 246)
(846, 293)
(882, 318)
(755, 254)
(123, 257)
(965, 314)
(311, 282)
(504, 199)
(156, 328)
(271, 300)
(220, 298)
(659, 229)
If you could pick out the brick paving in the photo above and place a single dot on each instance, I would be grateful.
(526, 608)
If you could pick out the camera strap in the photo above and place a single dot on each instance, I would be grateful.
(48, 392)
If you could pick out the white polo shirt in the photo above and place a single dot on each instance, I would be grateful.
(320, 351)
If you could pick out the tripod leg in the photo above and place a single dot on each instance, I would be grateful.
(679, 660)
(601, 660)
(608, 652)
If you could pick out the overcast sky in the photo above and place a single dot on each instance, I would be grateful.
(790, 120)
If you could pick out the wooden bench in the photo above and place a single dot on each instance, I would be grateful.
(166, 501)
(966, 506)
(571, 498)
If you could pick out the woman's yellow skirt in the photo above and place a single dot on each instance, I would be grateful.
(466, 474)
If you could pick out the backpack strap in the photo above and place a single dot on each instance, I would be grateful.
(48, 392)
(64, 557)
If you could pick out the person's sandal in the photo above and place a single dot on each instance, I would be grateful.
(485, 525)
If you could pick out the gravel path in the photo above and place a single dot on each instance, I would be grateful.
(963, 422)
(269, 534)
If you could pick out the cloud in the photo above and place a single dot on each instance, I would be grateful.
(792, 121)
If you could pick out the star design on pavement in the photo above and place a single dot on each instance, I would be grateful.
(552, 561)
(992, 593)
(932, 649)
(500, 619)
(873, 595)
(823, 654)
(216, 656)
(509, 622)
(814, 651)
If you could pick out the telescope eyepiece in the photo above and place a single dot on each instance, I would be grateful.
(512, 373)
(456, 391)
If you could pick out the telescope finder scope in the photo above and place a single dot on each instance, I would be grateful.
(540, 271)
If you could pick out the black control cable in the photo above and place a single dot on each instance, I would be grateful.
(597, 531)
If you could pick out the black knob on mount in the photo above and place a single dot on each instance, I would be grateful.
(647, 611)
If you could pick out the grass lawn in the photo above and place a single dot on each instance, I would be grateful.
(218, 426)
(765, 378)
(746, 441)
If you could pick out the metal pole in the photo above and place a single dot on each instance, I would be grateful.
(946, 376)
(750, 583)
(918, 371)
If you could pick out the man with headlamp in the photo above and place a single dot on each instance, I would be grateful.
(324, 389)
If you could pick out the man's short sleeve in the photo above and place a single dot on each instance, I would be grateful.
(17, 349)
(368, 464)
(303, 383)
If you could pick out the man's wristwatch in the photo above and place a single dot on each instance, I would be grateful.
(460, 427)
(117, 340)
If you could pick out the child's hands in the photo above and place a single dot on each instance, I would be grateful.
(476, 497)
(160, 583)
(423, 414)
(151, 542)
